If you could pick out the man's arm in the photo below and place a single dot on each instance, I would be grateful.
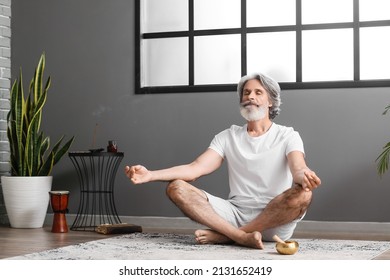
(205, 164)
(302, 174)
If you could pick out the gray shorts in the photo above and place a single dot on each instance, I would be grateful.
(239, 215)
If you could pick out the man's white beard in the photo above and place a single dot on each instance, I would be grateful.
(252, 113)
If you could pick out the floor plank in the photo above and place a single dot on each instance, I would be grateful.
(14, 242)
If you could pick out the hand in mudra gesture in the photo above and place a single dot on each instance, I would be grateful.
(138, 174)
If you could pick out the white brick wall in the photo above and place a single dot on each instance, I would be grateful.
(5, 85)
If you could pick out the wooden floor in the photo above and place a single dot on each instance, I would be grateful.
(15, 242)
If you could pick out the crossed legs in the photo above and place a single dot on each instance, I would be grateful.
(193, 202)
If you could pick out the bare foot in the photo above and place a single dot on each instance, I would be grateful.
(252, 240)
(208, 236)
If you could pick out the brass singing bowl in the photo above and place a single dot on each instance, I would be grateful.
(288, 248)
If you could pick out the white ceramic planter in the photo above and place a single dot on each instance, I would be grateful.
(26, 200)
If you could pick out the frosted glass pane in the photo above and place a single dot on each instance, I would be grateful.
(374, 10)
(270, 13)
(327, 55)
(327, 11)
(217, 59)
(165, 62)
(167, 15)
(216, 14)
(273, 54)
(375, 53)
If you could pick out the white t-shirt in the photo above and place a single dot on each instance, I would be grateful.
(258, 167)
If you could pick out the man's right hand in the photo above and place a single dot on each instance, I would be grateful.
(138, 174)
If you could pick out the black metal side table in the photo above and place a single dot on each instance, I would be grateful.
(96, 172)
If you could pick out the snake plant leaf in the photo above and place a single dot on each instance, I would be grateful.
(47, 166)
(61, 152)
(45, 144)
(383, 160)
(44, 148)
(38, 78)
(48, 84)
(37, 159)
(30, 148)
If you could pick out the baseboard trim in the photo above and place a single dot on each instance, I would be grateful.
(307, 227)
(366, 228)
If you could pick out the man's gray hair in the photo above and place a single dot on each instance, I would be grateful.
(270, 85)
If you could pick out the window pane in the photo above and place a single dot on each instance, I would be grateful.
(327, 55)
(167, 15)
(216, 14)
(273, 54)
(217, 59)
(326, 11)
(165, 62)
(375, 53)
(374, 10)
(270, 13)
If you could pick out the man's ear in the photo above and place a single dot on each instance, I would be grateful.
(269, 102)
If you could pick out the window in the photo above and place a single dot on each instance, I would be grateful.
(207, 45)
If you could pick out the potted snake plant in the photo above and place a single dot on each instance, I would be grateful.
(26, 191)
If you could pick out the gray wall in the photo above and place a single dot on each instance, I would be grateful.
(89, 49)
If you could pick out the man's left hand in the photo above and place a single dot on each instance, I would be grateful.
(310, 181)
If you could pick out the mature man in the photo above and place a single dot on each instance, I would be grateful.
(270, 183)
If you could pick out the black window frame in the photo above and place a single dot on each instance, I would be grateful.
(243, 31)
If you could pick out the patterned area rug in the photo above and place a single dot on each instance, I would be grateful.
(166, 246)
